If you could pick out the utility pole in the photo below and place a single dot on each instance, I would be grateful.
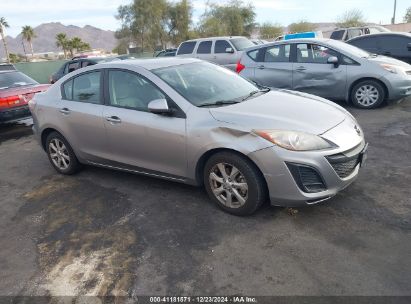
(395, 9)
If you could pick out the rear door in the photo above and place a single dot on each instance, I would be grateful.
(275, 68)
(80, 113)
(204, 50)
(312, 74)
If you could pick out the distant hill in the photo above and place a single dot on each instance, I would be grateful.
(46, 38)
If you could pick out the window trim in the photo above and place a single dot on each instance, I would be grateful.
(178, 113)
(102, 97)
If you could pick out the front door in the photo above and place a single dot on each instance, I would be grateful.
(138, 139)
(313, 74)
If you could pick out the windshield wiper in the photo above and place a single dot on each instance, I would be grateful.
(262, 90)
(219, 103)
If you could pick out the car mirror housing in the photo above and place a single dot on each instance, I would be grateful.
(229, 50)
(159, 106)
(333, 60)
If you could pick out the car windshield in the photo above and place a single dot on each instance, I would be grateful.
(15, 79)
(350, 49)
(241, 43)
(203, 83)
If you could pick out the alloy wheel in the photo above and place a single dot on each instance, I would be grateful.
(59, 154)
(228, 185)
(367, 95)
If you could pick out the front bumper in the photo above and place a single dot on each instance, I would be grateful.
(399, 86)
(14, 114)
(324, 173)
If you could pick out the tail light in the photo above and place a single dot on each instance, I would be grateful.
(239, 67)
(10, 101)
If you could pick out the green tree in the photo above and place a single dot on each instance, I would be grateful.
(179, 21)
(301, 27)
(77, 44)
(407, 17)
(62, 42)
(3, 25)
(232, 18)
(351, 18)
(15, 58)
(28, 35)
(270, 30)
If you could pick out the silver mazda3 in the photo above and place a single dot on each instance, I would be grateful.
(194, 122)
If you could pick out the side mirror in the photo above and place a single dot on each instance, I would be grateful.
(333, 60)
(229, 50)
(409, 46)
(159, 106)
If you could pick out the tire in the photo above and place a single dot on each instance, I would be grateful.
(367, 94)
(246, 188)
(61, 155)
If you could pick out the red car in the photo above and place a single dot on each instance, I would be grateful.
(16, 90)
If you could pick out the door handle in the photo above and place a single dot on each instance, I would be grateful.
(113, 119)
(300, 69)
(65, 111)
(261, 67)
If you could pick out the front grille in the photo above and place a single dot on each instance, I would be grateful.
(307, 178)
(343, 165)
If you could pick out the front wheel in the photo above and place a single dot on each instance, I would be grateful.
(234, 183)
(367, 94)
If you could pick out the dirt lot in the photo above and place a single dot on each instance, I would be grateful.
(105, 232)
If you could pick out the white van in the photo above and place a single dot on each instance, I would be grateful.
(225, 51)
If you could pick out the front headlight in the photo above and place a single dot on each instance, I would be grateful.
(294, 140)
(395, 69)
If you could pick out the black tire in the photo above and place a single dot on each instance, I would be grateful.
(374, 87)
(248, 173)
(73, 164)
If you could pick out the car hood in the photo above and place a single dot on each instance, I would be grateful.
(282, 109)
(389, 60)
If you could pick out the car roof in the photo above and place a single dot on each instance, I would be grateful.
(402, 34)
(217, 37)
(150, 64)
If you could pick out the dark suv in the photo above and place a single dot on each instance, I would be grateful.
(345, 34)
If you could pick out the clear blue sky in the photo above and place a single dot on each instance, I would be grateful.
(100, 13)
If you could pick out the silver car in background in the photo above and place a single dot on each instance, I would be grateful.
(328, 68)
(194, 122)
(225, 51)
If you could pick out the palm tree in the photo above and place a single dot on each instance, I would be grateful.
(3, 25)
(28, 35)
(62, 42)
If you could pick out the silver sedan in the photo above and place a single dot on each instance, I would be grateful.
(194, 122)
(328, 68)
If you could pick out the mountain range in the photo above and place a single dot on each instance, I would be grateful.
(46, 38)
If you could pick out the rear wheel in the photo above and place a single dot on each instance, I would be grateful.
(367, 94)
(234, 183)
(61, 154)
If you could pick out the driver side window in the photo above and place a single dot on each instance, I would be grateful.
(314, 53)
(132, 91)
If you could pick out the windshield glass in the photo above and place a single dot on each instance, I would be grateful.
(241, 43)
(205, 83)
(350, 49)
(15, 79)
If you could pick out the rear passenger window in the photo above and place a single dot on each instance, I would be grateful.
(186, 48)
(277, 53)
(86, 88)
(68, 90)
(204, 47)
(73, 66)
(253, 54)
(221, 46)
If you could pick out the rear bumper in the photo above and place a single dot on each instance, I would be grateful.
(14, 114)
